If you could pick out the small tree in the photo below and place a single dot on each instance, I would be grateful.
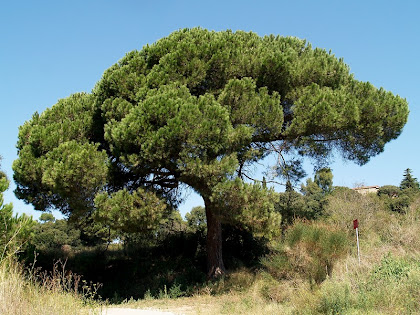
(315, 192)
(15, 231)
(52, 234)
(324, 179)
(46, 217)
(290, 205)
(196, 219)
(409, 181)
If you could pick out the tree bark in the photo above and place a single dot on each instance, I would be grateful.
(215, 266)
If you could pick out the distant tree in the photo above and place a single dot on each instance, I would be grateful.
(409, 181)
(199, 109)
(52, 234)
(315, 192)
(46, 217)
(2, 174)
(196, 219)
(324, 179)
(15, 230)
(173, 224)
(311, 188)
(389, 190)
(93, 232)
(291, 206)
(396, 198)
(308, 205)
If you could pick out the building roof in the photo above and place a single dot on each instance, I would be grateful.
(366, 187)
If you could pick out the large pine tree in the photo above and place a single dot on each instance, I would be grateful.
(197, 109)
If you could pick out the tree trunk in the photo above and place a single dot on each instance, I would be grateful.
(215, 266)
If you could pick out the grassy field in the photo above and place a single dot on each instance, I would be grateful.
(351, 290)
(387, 281)
(313, 269)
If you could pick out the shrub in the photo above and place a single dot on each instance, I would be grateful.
(335, 298)
(400, 204)
(345, 205)
(389, 191)
(390, 270)
(310, 249)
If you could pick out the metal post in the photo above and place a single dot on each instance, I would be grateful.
(356, 227)
(358, 247)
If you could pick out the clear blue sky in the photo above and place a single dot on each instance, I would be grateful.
(50, 49)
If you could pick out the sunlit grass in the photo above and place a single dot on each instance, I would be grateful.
(26, 292)
(387, 280)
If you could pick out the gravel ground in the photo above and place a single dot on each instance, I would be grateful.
(132, 311)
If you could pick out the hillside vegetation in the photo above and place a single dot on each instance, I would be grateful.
(310, 268)
(314, 268)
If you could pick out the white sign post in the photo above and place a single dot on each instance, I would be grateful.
(356, 227)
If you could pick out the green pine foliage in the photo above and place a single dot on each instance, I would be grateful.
(196, 219)
(310, 203)
(197, 108)
(398, 199)
(51, 234)
(130, 212)
(15, 230)
(409, 181)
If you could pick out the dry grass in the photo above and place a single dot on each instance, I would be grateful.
(23, 293)
(387, 281)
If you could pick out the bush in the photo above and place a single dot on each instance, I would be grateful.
(400, 204)
(345, 205)
(309, 249)
(390, 270)
(335, 298)
(397, 199)
(389, 191)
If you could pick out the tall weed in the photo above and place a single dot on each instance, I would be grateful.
(30, 292)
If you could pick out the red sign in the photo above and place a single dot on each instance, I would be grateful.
(355, 224)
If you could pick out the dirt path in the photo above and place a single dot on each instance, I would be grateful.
(133, 311)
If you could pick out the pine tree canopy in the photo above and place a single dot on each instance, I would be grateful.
(196, 108)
